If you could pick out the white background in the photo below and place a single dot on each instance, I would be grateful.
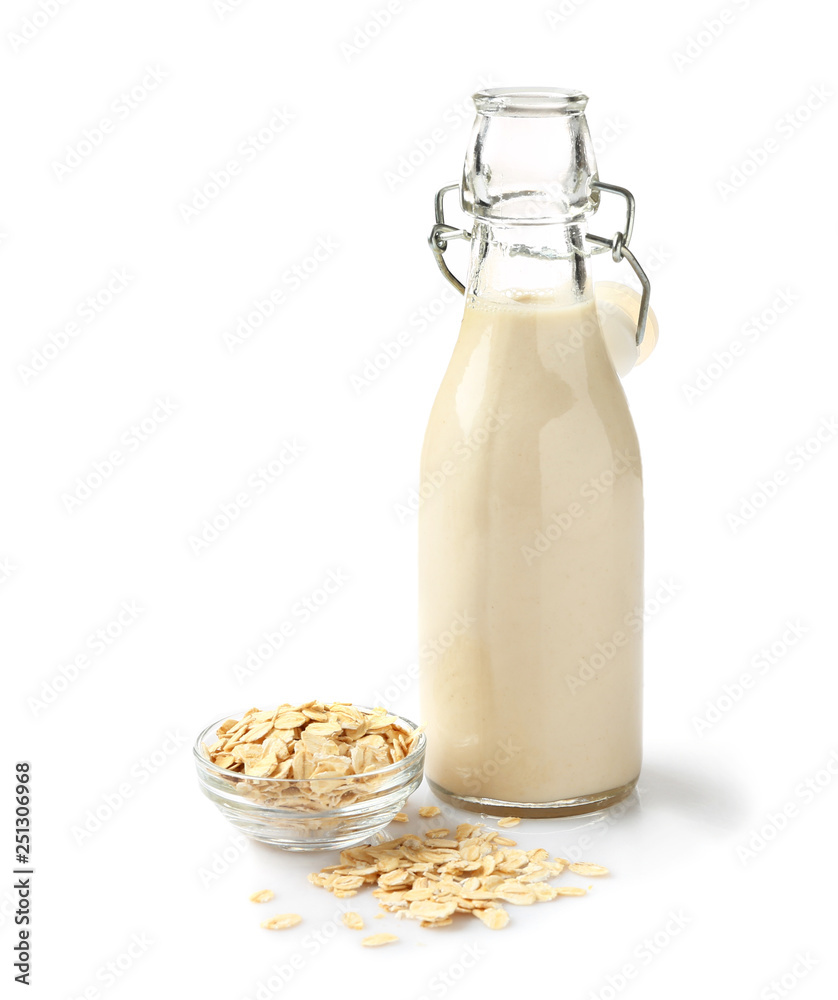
(676, 108)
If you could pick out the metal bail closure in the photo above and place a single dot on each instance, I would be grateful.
(442, 233)
(618, 245)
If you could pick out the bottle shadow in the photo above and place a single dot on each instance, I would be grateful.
(697, 797)
(665, 798)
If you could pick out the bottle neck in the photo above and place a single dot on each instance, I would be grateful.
(545, 260)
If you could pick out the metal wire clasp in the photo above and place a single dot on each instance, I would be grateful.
(442, 234)
(618, 244)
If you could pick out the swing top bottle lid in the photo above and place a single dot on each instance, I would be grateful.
(530, 157)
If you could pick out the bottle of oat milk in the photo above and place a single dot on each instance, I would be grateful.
(531, 541)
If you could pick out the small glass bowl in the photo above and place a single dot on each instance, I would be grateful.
(251, 804)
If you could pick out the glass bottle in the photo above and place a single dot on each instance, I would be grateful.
(531, 530)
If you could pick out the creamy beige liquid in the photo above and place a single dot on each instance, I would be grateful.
(531, 539)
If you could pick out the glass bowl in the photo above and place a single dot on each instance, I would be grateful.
(290, 813)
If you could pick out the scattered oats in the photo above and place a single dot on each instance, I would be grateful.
(376, 940)
(585, 868)
(427, 811)
(400, 818)
(433, 877)
(262, 896)
(282, 921)
(493, 917)
(354, 921)
(509, 821)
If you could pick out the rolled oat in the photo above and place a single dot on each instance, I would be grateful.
(433, 877)
(319, 749)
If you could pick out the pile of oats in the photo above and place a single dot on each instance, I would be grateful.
(433, 877)
(328, 742)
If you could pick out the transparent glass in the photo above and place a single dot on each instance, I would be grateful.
(530, 157)
(531, 530)
(288, 812)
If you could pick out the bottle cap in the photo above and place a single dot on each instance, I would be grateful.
(618, 308)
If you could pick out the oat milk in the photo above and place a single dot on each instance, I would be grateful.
(535, 539)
